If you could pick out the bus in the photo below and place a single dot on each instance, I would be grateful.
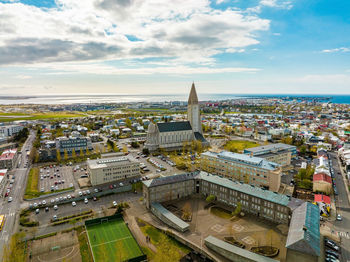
(2, 221)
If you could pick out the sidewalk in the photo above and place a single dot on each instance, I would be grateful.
(344, 179)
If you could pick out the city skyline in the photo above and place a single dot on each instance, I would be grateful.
(158, 47)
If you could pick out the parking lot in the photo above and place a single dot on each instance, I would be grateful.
(53, 178)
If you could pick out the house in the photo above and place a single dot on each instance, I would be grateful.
(322, 183)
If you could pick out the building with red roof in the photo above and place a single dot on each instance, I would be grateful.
(322, 183)
(319, 198)
(8, 158)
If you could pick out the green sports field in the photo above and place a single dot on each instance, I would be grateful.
(112, 241)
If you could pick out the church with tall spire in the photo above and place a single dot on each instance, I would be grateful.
(172, 135)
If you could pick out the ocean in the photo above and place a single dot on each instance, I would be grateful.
(112, 98)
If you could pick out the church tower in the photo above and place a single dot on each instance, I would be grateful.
(193, 111)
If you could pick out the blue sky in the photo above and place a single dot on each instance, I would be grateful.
(158, 46)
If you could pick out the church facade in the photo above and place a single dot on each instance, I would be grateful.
(172, 135)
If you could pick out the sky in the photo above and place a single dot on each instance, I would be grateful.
(162, 46)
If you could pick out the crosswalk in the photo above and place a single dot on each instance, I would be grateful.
(344, 234)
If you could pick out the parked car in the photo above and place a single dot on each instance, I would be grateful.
(86, 201)
(55, 207)
(9, 199)
(96, 190)
(115, 203)
(333, 253)
(46, 209)
(74, 204)
(54, 218)
(339, 218)
(37, 211)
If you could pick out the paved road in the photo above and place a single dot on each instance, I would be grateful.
(343, 208)
(11, 210)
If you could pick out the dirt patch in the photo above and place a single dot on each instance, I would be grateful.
(61, 247)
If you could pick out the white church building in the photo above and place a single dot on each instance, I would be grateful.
(172, 135)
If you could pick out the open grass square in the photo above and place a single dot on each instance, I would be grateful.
(112, 241)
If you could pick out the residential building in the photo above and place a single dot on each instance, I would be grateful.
(10, 130)
(8, 158)
(244, 168)
(69, 143)
(278, 153)
(322, 183)
(112, 169)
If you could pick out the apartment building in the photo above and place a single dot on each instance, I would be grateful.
(8, 158)
(69, 143)
(260, 202)
(10, 130)
(112, 169)
(279, 153)
(244, 168)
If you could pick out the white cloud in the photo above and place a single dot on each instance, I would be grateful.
(23, 77)
(326, 79)
(336, 50)
(94, 31)
(280, 4)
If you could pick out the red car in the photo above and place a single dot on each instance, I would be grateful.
(111, 186)
(6, 194)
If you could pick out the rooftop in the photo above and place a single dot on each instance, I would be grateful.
(245, 159)
(246, 188)
(8, 154)
(101, 163)
(170, 216)
(304, 230)
(269, 148)
(174, 126)
(169, 179)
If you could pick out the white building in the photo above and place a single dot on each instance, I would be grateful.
(112, 169)
(10, 130)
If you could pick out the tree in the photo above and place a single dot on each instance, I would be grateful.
(74, 154)
(125, 149)
(58, 155)
(65, 155)
(81, 153)
(87, 151)
(237, 209)
(128, 122)
(210, 198)
(145, 151)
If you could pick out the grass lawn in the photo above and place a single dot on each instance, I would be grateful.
(112, 241)
(85, 250)
(7, 117)
(217, 211)
(239, 145)
(166, 246)
(32, 183)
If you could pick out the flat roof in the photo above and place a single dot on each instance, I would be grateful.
(244, 159)
(167, 214)
(169, 179)
(246, 188)
(270, 147)
(105, 162)
(236, 250)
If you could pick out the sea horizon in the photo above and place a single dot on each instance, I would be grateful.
(152, 98)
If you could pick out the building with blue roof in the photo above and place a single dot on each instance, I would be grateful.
(244, 168)
(304, 232)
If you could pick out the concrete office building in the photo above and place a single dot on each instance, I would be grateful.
(263, 203)
(10, 130)
(69, 143)
(244, 168)
(112, 169)
(279, 153)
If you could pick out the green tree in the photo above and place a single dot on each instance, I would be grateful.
(74, 154)
(81, 153)
(87, 151)
(237, 209)
(65, 155)
(14, 251)
(58, 155)
(128, 123)
(210, 198)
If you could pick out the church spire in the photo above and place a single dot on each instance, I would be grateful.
(193, 99)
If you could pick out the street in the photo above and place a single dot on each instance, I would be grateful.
(11, 209)
(342, 205)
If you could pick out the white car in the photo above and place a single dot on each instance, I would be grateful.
(35, 205)
(86, 201)
(44, 202)
(339, 218)
(52, 201)
(74, 204)
(69, 196)
(55, 207)
(115, 203)
(57, 199)
(88, 192)
(121, 184)
(80, 193)
(10, 199)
